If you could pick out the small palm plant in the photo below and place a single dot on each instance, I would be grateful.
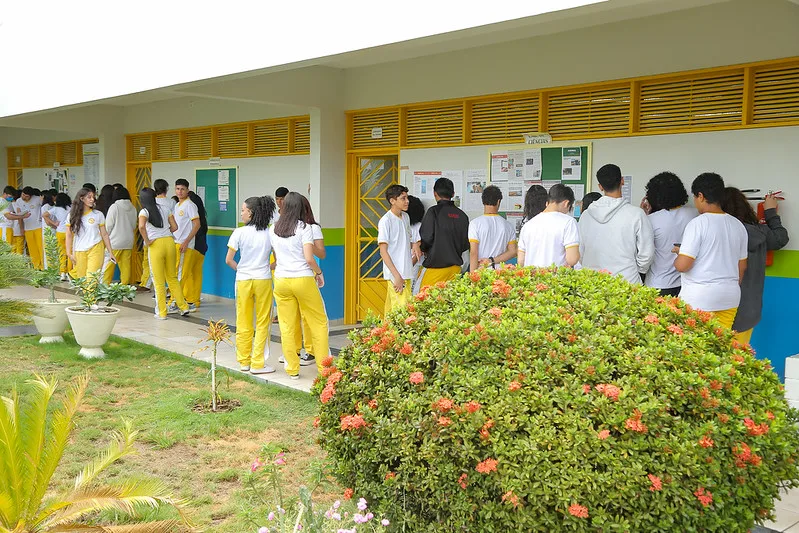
(31, 446)
(216, 333)
(14, 270)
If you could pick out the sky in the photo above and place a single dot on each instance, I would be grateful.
(67, 52)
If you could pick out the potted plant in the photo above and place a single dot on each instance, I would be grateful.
(91, 322)
(50, 318)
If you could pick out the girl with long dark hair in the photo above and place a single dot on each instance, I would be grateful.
(253, 283)
(156, 225)
(535, 201)
(297, 281)
(86, 235)
(106, 199)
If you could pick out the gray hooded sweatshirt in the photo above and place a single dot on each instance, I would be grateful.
(762, 237)
(618, 237)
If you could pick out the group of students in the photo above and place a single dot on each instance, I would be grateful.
(713, 255)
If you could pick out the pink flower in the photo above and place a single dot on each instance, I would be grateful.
(514, 386)
(651, 319)
(444, 421)
(384, 522)
(496, 311)
(586, 389)
(416, 378)
(578, 510)
(674, 328)
(602, 435)
(256, 465)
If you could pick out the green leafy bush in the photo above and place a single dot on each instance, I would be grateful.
(92, 291)
(556, 400)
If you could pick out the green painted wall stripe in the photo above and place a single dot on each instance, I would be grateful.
(786, 264)
(220, 232)
(333, 236)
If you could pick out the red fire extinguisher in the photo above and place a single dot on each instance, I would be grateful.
(761, 215)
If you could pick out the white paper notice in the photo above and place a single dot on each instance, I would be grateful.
(500, 166)
(423, 184)
(514, 201)
(457, 181)
(579, 190)
(474, 183)
(516, 220)
(572, 164)
(516, 164)
(201, 193)
(627, 188)
(532, 164)
(223, 193)
(223, 177)
(548, 184)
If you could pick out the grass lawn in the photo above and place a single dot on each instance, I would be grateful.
(203, 457)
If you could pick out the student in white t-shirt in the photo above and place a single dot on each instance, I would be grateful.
(492, 239)
(551, 237)
(394, 240)
(30, 203)
(665, 204)
(297, 278)
(86, 235)
(187, 217)
(253, 283)
(58, 215)
(713, 253)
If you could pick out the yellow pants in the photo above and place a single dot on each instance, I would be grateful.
(89, 261)
(162, 263)
(302, 336)
(7, 235)
(123, 258)
(145, 268)
(253, 302)
(18, 244)
(726, 317)
(64, 264)
(301, 294)
(396, 299)
(744, 337)
(190, 282)
(33, 238)
(434, 275)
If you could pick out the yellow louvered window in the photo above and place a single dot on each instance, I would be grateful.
(233, 140)
(434, 125)
(365, 124)
(167, 146)
(700, 102)
(47, 155)
(504, 120)
(601, 111)
(271, 138)
(31, 156)
(198, 144)
(140, 147)
(69, 153)
(302, 136)
(776, 97)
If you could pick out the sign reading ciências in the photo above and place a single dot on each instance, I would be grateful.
(537, 138)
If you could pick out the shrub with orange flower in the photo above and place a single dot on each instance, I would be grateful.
(580, 511)
(655, 483)
(487, 466)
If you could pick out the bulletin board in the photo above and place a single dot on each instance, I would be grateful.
(218, 188)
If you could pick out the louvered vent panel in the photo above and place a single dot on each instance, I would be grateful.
(363, 124)
(594, 112)
(504, 120)
(271, 138)
(167, 146)
(48, 155)
(198, 144)
(776, 95)
(137, 142)
(302, 136)
(233, 140)
(693, 103)
(15, 157)
(69, 153)
(434, 125)
(32, 156)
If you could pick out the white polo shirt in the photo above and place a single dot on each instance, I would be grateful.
(165, 208)
(254, 248)
(668, 226)
(716, 242)
(6, 206)
(289, 254)
(89, 234)
(545, 237)
(185, 212)
(60, 215)
(492, 233)
(395, 231)
(34, 207)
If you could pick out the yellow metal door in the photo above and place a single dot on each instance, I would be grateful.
(138, 177)
(375, 175)
(15, 178)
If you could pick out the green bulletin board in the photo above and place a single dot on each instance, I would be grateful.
(218, 187)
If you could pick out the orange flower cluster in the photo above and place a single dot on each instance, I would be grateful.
(327, 361)
(651, 319)
(705, 497)
(586, 389)
(706, 442)
(328, 392)
(390, 475)
(444, 404)
(372, 404)
(350, 422)
(611, 391)
(602, 435)
(487, 466)
(541, 287)
(444, 421)
(578, 510)
(387, 338)
(500, 288)
(511, 498)
(656, 483)
(495, 311)
(634, 423)
(463, 480)
(406, 349)
(690, 322)
(755, 429)
(348, 494)
(514, 386)
(410, 320)
(474, 276)
(416, 378)
(472, 406)
(674, 328)
(743, 456)
(484, 431)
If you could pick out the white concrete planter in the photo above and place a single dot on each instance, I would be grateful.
(51, 320)
(92, 329)
(792, 380)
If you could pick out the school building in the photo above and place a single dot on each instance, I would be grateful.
(651, 85)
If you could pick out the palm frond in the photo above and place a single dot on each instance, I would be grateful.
(121, 445)
(34, 422)
(16, 312)
(11, 461)
(60, 429)
(161, 526)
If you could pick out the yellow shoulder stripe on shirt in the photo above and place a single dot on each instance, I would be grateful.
(195, 218)
(571, 245)
(687, 255)
(474, 241)
(229, 246)
(512, 242)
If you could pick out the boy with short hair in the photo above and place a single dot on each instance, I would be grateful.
(187, 217)
(445, 236)
(551, 237)
(713, 253)
(394, 239)
(29, 206)
(492, 239)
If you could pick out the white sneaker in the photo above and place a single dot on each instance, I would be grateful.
(244, 368)
(172, 309)
(264, 370)
(295, 376)
(281, 360)
(192, 308)
(159, 317)
(307, 359)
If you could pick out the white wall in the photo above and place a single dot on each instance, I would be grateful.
(258, 176)
(754, 158)
(35, 177)
(722, 34)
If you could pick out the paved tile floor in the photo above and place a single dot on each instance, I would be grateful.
(183, 335)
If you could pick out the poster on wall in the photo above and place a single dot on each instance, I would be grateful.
(627, 189)
(423, 181)
(571, 170)
(500, 166)
(91, 164)
(57, 179)
(474, 184)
